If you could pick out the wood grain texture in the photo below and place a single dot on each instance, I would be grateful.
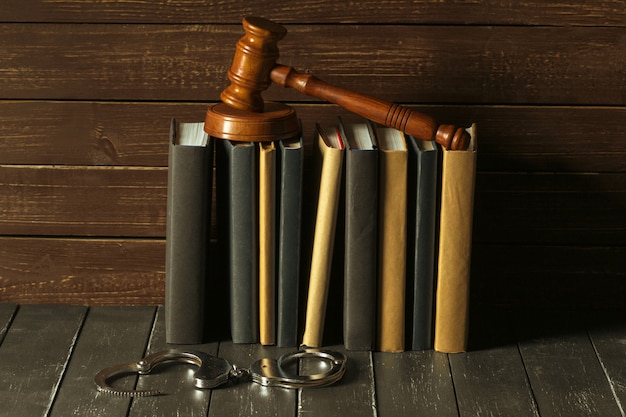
(71, 200)
(512, 138)
(417, 383)
(490, 379)
(492, 382)
(110, 336)
(82, 271)
(608, 341)
(90, 133)
(573, 65)
(563, 368)
(45, 335)
(492, 12)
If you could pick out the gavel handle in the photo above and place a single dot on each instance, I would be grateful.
(414, 123)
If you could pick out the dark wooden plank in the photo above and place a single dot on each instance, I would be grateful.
(90, 133)
(82, 271)
(95, 201)
(180, 396)
(7, 313)
(564, 372)
(414, 383)
(436, 64)
(511, 138)
(247, 398)
(492, 382)
(490, 379)
(34, 357)
(353, 395)
(493, 12)
(608, 336)
(551, 208)
(110, 336)
(543, 276)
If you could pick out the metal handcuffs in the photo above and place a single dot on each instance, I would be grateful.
(214, 371)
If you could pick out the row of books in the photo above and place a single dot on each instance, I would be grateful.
(382, 205)
(256, 262)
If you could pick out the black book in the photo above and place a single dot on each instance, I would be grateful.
(289, 196)
(237, 205)
(361, 237)
(189, 197)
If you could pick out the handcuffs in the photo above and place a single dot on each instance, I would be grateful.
(214, 371)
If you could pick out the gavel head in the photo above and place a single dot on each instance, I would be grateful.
(255, 56)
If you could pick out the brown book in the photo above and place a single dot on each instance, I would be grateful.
(267, 243)
(455, 247)
(392, 202)
(330, 150)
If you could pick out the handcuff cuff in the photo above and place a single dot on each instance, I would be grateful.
(214, 371)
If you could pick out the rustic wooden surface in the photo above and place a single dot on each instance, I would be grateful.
(432, 64)
(559, 366)
(88, 89)
(490, 12)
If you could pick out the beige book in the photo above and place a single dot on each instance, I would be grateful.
(267, 243)
(455, 247)
(392, 202)
(330, 150)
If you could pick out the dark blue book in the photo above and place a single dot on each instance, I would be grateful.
(237, 206)
(289, 196)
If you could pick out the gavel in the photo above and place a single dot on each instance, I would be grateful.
(244, 115)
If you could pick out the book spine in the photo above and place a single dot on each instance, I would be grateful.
(323, 244)
(361, 223)
(392, 251)
(421, 242)
(455, 245)
(267, 243)
(189, 196)
(241, 219)
(289, 230)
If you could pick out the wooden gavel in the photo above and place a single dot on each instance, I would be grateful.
(254, 67)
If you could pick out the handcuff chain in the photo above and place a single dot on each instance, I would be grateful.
(239, 374)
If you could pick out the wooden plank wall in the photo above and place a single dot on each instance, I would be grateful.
(87, 90)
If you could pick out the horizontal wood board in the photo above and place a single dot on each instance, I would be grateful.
(403, 63)
(490, 12)
(511, 138)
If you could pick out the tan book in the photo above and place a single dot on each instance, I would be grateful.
(267, 243)
(392, 202)
(455, 247)
(330, 150)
